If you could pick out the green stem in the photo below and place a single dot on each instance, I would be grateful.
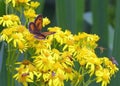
(8, 80)
(26, 22)
(55, 43)
(8, 66)
(6, 7)
(8, 57)
(10, 63)
(21, 11)
(89, 82)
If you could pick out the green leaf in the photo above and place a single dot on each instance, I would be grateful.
(41, 7)
(100, 22)
(3, 71)
(69, 14)
(2, 7)
(116, 45)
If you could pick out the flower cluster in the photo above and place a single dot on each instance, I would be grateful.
(9, 20)
(61, 57)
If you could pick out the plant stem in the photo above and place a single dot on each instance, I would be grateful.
(6, 7)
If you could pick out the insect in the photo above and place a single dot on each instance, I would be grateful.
(36, 27)
(25, 74)
(113, 60)
(101, 49)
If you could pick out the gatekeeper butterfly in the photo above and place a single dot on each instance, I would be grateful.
(36, 27)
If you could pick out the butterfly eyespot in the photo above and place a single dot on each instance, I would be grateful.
(36, 27)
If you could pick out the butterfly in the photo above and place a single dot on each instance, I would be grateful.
(36, 27)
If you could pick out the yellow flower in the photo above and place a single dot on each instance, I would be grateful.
(6, 35)
(59, 36)
(103, 76)
(57, 65)
(88, 40)
(9, 20)
(34, 4)
(43, 46)
(73, 49)
(85, 54)
(108, 64)
(46, 76)
(91, 64)
(67, 59)
(56, 54)
(54, 29)
(69, 73)
(16, 35)
(57, 78)
(21, 29)
(113, 69)
(16, 2)
(43, 63)
(19, 42)
(25, 72)
(23, 77)
(22, 1)
(91, 67)
(30, 14)
(46, 21)
(30, 40)
(22, 46)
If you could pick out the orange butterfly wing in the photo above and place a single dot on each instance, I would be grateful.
(47, 33)
(36, 26)
(40, 36)
(43, 35)
(32, 28)
(38, 22)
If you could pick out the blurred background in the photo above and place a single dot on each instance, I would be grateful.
(101, 17)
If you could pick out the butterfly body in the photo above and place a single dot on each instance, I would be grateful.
(36, 27)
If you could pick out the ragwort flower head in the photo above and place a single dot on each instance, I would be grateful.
(43, 63)
(57, 78)
(109, 65)
(46, 21)
(103, 75)
(9, 20)
(18, 2)
(23, 1)
(30, 14)
(6, 34)
(15, 35)
(88, 40)
(25, 72)
(60, 36)
(34, 4)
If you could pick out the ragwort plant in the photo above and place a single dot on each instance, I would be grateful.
(50, 61)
